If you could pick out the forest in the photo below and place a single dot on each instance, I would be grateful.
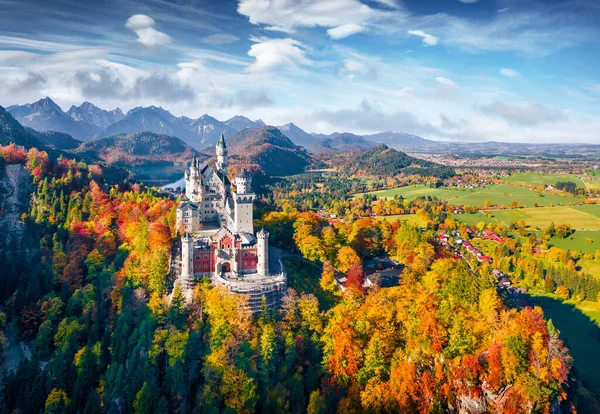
(88, 290)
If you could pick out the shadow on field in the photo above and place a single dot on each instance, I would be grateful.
(579, 333)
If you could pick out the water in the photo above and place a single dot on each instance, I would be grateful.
(160, 175)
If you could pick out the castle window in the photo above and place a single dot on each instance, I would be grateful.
(205, 257)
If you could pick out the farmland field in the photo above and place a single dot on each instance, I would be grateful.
(499, 194)
(411, 218)
(579, 241)
(591, 267)
(585, 217)
(539, 179)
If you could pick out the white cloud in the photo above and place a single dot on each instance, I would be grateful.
(353, 65)
(509, 73)
(405, 92)
(344, 16)
(468, 1)
(428, 39)
(446, 82)
(143, 26)
(220, 39)
(33, 44)
(344, 30)
(531, 33)
(394, 4)
(524, 113)
(273, 53)
(505, 9)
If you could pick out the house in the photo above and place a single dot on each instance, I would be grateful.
(504, 282)
(382, 271)
(491, 235)
(484, 259)
(497, 273)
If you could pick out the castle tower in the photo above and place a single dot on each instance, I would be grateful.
(187, 260)
(243, 201)
(193, 181)
(262, 250)
(243, 182)
(222, 155)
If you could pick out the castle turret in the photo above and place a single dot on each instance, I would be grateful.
(187, 259)
(193, 181)
(222, 155)
(262, 249)
(242, 182)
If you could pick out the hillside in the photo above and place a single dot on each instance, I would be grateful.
(11, 131)
(142, 148)
(56, 140)
(384, 161)
(340, 142)
(268, 148)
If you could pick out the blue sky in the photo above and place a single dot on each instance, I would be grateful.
(504, 70)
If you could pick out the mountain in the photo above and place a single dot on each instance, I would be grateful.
(399, 139)
(56, 140)
(45, 115)
(298, 136)
(209, 129)
(239, 122)
(260, 123)
(141, 148)
(384, 161)
(340, 142)
(11, 131)
(88, 112)
(270, 149)
(153, 119)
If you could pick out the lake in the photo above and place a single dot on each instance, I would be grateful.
(160, 175)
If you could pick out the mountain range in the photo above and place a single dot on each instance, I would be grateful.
(87, 122)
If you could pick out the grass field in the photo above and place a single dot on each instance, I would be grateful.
(411, 218)
(586, 217)
(578, 242)
(538, 179)
(499, 195)
(591, 267)
(578, 327)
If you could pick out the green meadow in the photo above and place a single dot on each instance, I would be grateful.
(411, 218)
(539, 179)
(498, 195)
(585, 217)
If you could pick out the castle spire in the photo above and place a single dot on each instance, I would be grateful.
(221, 143)
(222, 154)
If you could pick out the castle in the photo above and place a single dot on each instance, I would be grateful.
(218, 239)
